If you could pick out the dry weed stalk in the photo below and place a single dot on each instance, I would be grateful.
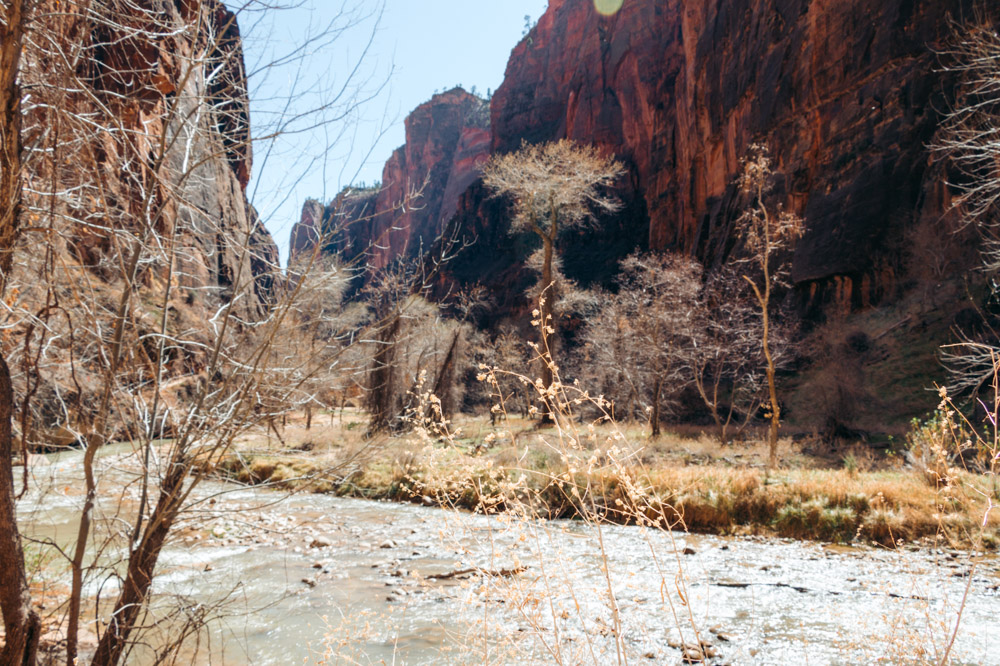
(947, 442)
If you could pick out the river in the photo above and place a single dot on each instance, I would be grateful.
(320, 579)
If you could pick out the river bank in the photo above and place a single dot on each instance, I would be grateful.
(687, 482)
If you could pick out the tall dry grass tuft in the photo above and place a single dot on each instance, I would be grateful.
(946, 448)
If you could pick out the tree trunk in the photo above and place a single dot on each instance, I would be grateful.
(547, 318)
(722, 427)
(274, 428)
(79, 553)
(547, 313)
(21, 624)
(713, 405)
(381, 385)
(141, 567)
(654, 419)
(772, 435)
(309, 416)
(11, 40)
(444, 384)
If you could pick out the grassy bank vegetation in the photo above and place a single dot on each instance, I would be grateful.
(619, 474)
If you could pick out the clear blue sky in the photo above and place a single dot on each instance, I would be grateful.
(417, 47)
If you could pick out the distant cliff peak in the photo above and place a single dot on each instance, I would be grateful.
(447, 142)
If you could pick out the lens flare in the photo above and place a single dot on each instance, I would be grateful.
(608, 7)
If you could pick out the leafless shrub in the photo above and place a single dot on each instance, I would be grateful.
(644, 337)
(727, 360)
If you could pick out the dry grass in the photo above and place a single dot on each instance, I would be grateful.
(679, 481)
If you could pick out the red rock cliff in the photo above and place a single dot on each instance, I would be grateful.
(164, 88)
(143, 142)
(447, 141)
(845, 92)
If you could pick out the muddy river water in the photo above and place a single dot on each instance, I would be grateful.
(320, 579)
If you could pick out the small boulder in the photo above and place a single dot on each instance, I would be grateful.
(320, 542)
(693, 655)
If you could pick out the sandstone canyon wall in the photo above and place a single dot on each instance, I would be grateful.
(846, 93)
(447, 141)
(140, 146)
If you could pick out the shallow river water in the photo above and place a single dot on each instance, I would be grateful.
(320, 579)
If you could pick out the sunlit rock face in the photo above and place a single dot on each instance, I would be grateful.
(171, 70)
(151, 66)
(447, 142)
(847, 93)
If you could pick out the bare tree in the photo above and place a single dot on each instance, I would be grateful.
(969, 139)
(767, 235)
(970, 133)
(391, 299)
(554, 187)
(647, 333)
(727, 360)
(415, 352)
(609, 361)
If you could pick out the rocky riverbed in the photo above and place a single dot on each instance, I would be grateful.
(307, 578)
